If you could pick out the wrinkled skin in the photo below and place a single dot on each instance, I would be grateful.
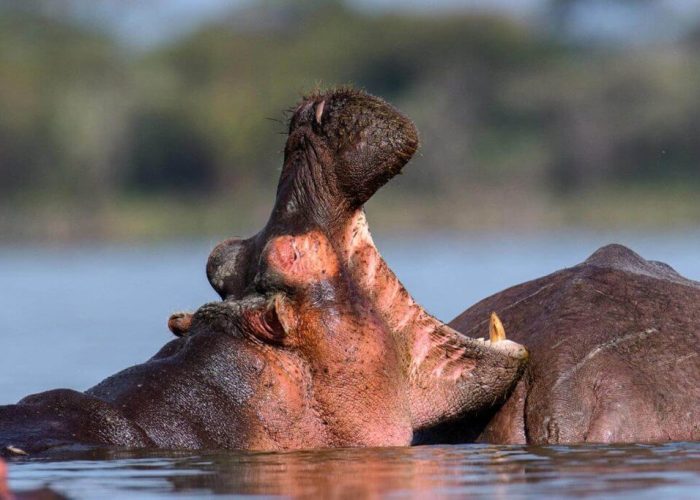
(315, 343)
(615, 356)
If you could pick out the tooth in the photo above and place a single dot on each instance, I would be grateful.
(319, 111)
(496, 330)
(16, 451)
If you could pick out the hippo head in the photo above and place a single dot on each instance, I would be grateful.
(347, 356)
(334, 373)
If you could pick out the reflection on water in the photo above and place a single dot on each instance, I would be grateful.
(642, 471)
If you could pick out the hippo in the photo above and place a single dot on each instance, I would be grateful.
(605, 336)
(314, 343)
(615, 356)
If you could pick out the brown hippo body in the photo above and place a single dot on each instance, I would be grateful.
(615, 355)
(315, 342)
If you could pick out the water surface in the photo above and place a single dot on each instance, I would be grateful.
(629, 471)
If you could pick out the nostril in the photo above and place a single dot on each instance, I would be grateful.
(296, 255)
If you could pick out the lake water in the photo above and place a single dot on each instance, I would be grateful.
(480, 471)
(72, 316)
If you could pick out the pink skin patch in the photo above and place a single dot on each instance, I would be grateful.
(300, 260)
(4, 488)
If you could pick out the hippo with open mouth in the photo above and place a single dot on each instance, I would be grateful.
(315, 344)
(614, 342)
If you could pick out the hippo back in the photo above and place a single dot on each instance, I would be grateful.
(615, 353)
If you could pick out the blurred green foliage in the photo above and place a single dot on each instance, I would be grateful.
(88, 126)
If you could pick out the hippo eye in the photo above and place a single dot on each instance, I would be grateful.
(266, 325)
(273, 329)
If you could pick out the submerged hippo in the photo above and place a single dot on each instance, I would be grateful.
(315, 343)
(615, 356)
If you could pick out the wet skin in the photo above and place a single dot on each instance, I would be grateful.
(315, 343)
(615, 355)
(601, 351)
(616, 360)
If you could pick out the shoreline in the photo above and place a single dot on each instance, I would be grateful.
(155, 219)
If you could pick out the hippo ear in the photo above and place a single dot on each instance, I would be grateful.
(452, 375)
